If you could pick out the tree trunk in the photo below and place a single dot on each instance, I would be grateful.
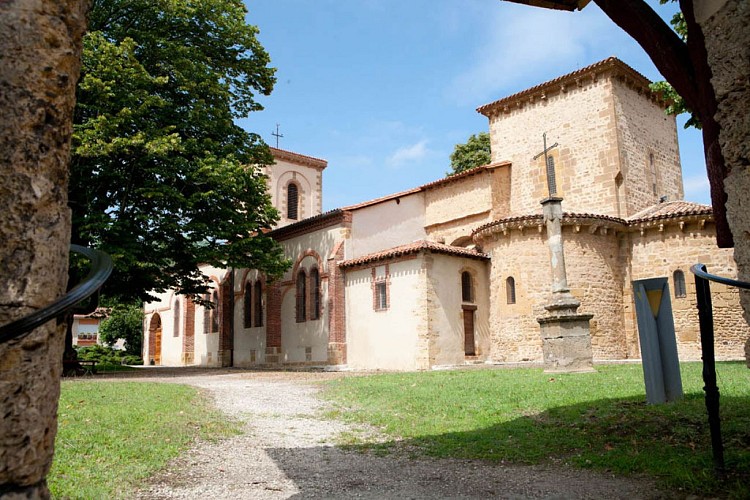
(727, 44)
(40, 47)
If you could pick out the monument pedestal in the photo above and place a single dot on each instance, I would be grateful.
(566, 343)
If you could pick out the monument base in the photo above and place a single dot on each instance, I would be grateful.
(566, 343)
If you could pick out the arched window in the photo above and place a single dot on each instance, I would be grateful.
(467, 288)
(679, 284)
(258, 301)
(510, 290)
(176, 321)
(215, 311)
(314, 293)
(247, 303)
(292, 197)
(301, 296)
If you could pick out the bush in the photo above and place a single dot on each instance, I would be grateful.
(107, 356)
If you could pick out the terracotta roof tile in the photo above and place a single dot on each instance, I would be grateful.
(298, 158)
(313, 223)
(669, 210)
(611, 63)
(412, 248)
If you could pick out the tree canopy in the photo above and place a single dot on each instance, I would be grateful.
(677, 106)
(162, 178)
(125, 322)
(474, 153)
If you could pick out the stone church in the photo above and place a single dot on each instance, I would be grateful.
(458, 270)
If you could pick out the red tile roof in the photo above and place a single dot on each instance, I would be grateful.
(412, 248)
(300, 159)
(670, 210)
(611, 63)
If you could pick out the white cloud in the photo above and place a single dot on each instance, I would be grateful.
(697, 188)
(523, 46)
(408, 154)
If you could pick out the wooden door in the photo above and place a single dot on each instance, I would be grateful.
(469, 349)
(157, 346)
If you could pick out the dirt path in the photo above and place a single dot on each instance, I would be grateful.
(288, 451)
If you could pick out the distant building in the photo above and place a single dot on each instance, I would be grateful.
(86, 327)
(458, 270)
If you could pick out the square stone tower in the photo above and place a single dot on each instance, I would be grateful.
(617, 152)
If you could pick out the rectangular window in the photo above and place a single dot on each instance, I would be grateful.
(381, 296)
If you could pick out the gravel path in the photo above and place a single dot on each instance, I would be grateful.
(288, 451)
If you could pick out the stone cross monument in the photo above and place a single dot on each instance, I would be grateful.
(566, 339)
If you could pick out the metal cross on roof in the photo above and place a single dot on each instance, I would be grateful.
(277, 135)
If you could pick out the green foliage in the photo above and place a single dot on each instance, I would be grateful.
(125, 322)
(677, 106)
(107, 356)
(596, 420)
(113, 435)
(161, 177)
(474, 153)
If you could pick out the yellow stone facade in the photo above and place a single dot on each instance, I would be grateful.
(458, 270)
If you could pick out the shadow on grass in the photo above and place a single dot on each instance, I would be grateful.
(623, 436)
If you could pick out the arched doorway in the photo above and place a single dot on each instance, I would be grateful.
(154, 339)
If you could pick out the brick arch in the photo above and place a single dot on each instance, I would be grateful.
(304, 191)
(308, 253)
(244, 280)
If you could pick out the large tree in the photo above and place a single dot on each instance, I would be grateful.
(474, 153)
(162, 178)
(40, 46)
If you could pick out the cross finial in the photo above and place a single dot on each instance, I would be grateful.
(277, 135)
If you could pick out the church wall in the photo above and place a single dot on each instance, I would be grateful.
(307, 341)
(446, 313)
(387, 225)
(586, 160)
(660, 253)
(310, 183)
(460, 199)
(595, 278)
(515, 334)
(644, 129)
(386, 339)
(171, 346)
(249, 343)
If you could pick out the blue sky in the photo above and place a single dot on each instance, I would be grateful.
(384, 89)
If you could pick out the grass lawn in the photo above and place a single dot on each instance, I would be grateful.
(111, 435)
(597, 420)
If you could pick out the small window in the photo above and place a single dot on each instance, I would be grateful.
(292, 201)
(381, 296)
(258, 300)
(679, 284)
(314, 293)
(176, 318)
(652, 167)
(301, 297)
(247, 304)
(510, 290)
(467, 290)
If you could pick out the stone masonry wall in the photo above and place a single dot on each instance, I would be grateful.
(581, 121)
(594, 277)
(659, 253)
(643, 129)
